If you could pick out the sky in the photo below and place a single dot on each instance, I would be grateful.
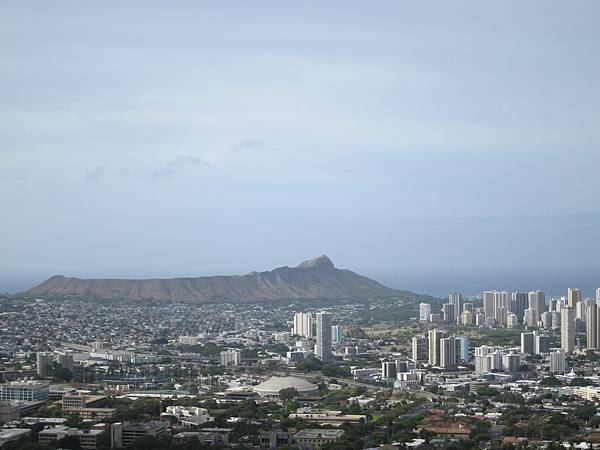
(435, 146)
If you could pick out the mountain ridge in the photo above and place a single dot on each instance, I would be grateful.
(317, 278)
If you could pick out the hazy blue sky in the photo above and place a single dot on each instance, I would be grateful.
(438, 146)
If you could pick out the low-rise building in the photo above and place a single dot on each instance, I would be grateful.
(124, 433)
(335, 418)
(30, 390)
(310, 439)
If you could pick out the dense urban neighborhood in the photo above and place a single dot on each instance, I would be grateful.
(494, 370)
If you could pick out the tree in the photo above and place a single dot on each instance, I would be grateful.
(288, 394)
(63, 374)
(550, 381)
(73, 420)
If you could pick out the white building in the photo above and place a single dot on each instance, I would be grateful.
(303, 324)
(188, 340)
(44, 362)
(336, 333)
(32, 390)
(567, 329)
(231, 358)
(558, 361)
(424, 312)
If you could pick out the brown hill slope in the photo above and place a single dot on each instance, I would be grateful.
(314, 279)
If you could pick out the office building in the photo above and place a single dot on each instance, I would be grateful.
(567, 329)
(231, 358)
(303, 324)
(434, 346)
(581, 310)
(558, 361)
(32, 390)
(420, 349)
(573, 297)
(45, 364)
(124, 433)
(323, 345)
(424, 312)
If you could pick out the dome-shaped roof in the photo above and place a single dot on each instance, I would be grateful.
(273, 385)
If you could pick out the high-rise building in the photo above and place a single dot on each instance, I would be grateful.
(466, 318)
(558, 361)
(448, 351)
(65, 360)
(303, 324)
(529, 318)
(434, 346)
(336, 333)
(388, 369)
(456, 299)
(598, 294)
(448, 312)
(581, 310)
(424, 312)
(567, 329)
(489, 304)
(592, 325)
(518, 304)
(420, 349)
(573, 297)
(546, 320)
(555, 319)
(463, 355)
(541, 344)
(231, 358)
(537, 302)
(44, 362)
(511, 362)
(528, 343)
(323, 345)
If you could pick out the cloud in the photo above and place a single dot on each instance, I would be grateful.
(248, 145)
(181, 162)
